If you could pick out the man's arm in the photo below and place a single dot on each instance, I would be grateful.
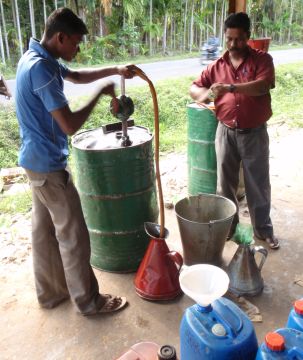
(252, 88)
(3, 88)
(199, 94)
(84, 76)
(71, 121)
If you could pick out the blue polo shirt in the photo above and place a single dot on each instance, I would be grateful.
(39, 90)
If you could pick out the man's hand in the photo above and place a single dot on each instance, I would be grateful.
(108, 88)
(219, 89)
(3, 88)
(126, 71)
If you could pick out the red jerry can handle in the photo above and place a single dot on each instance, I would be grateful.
(176, 257)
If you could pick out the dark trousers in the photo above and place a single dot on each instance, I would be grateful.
(252, 148)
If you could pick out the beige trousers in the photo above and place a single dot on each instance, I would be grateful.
(60, 244)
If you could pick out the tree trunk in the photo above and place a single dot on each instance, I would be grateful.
(222, 23)
(44, 12)
(4, 31)
(14, 13)
(2, 47)
(18, 28)
(100, 21)
(184, 28)
(191, 32)
(292, 5)
(32, 18)
(215, 19)
(150, 30)
(164, 34)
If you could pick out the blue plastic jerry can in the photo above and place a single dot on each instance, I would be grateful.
(220, 331)
(283, 344)
(295, 318)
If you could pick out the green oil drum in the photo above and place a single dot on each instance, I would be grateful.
(201, 153)
(118, 194)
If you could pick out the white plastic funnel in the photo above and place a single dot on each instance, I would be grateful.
(204, 283)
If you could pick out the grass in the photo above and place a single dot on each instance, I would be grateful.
(172, 97)
(19, 203)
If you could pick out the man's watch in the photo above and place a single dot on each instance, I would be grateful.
(231, 88)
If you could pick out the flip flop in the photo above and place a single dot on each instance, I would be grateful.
(272, 242)
(112, 303)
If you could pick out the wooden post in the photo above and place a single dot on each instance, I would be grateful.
(237, 6)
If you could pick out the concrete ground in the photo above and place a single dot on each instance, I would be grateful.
(29, 332)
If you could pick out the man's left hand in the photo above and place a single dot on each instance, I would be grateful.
(219, 89)
(126, 71)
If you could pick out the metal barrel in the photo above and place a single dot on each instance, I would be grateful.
(118, 194)
(201, 153)
(204, 222)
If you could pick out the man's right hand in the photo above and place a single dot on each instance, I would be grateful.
(3, 88)
(108, 88)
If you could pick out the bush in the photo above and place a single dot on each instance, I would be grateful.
(173, 98)
(9, 137)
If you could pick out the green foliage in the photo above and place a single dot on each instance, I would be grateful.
(287, 96)
(9, 137)
(173, 98)
(113, 46)
(16, 203)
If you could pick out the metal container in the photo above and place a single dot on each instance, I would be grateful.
(244, 272)
(118, 194)
(221, 331)
(201, 153)
(204, 223)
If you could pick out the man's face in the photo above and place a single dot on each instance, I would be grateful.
(236, 40)
(70, 46)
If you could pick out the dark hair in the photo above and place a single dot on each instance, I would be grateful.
(238, 21)
(64, 20)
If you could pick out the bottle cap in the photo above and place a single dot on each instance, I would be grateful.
(167, 352)
(299, 307)
(275, 341)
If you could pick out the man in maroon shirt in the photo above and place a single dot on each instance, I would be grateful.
(240, 83)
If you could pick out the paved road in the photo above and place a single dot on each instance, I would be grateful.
(164, 70)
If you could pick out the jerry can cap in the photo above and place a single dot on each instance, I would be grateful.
(167, 352)
(298, 306)
(275, 341)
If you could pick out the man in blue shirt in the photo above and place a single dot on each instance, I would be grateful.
(60, 239)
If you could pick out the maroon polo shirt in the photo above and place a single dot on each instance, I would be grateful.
(234, 109)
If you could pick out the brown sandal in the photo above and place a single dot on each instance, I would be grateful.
(112, 304)
(272, 242)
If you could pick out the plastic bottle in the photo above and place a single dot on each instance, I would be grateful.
(295, 318)
(167, 352)
(283, 344)
(149, 351)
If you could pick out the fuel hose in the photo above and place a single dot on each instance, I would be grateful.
(137, 71)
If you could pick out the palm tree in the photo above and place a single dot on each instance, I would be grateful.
(16, 13)
(32, 17)
(4, 30)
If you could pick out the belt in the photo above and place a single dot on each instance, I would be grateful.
(245, 130)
